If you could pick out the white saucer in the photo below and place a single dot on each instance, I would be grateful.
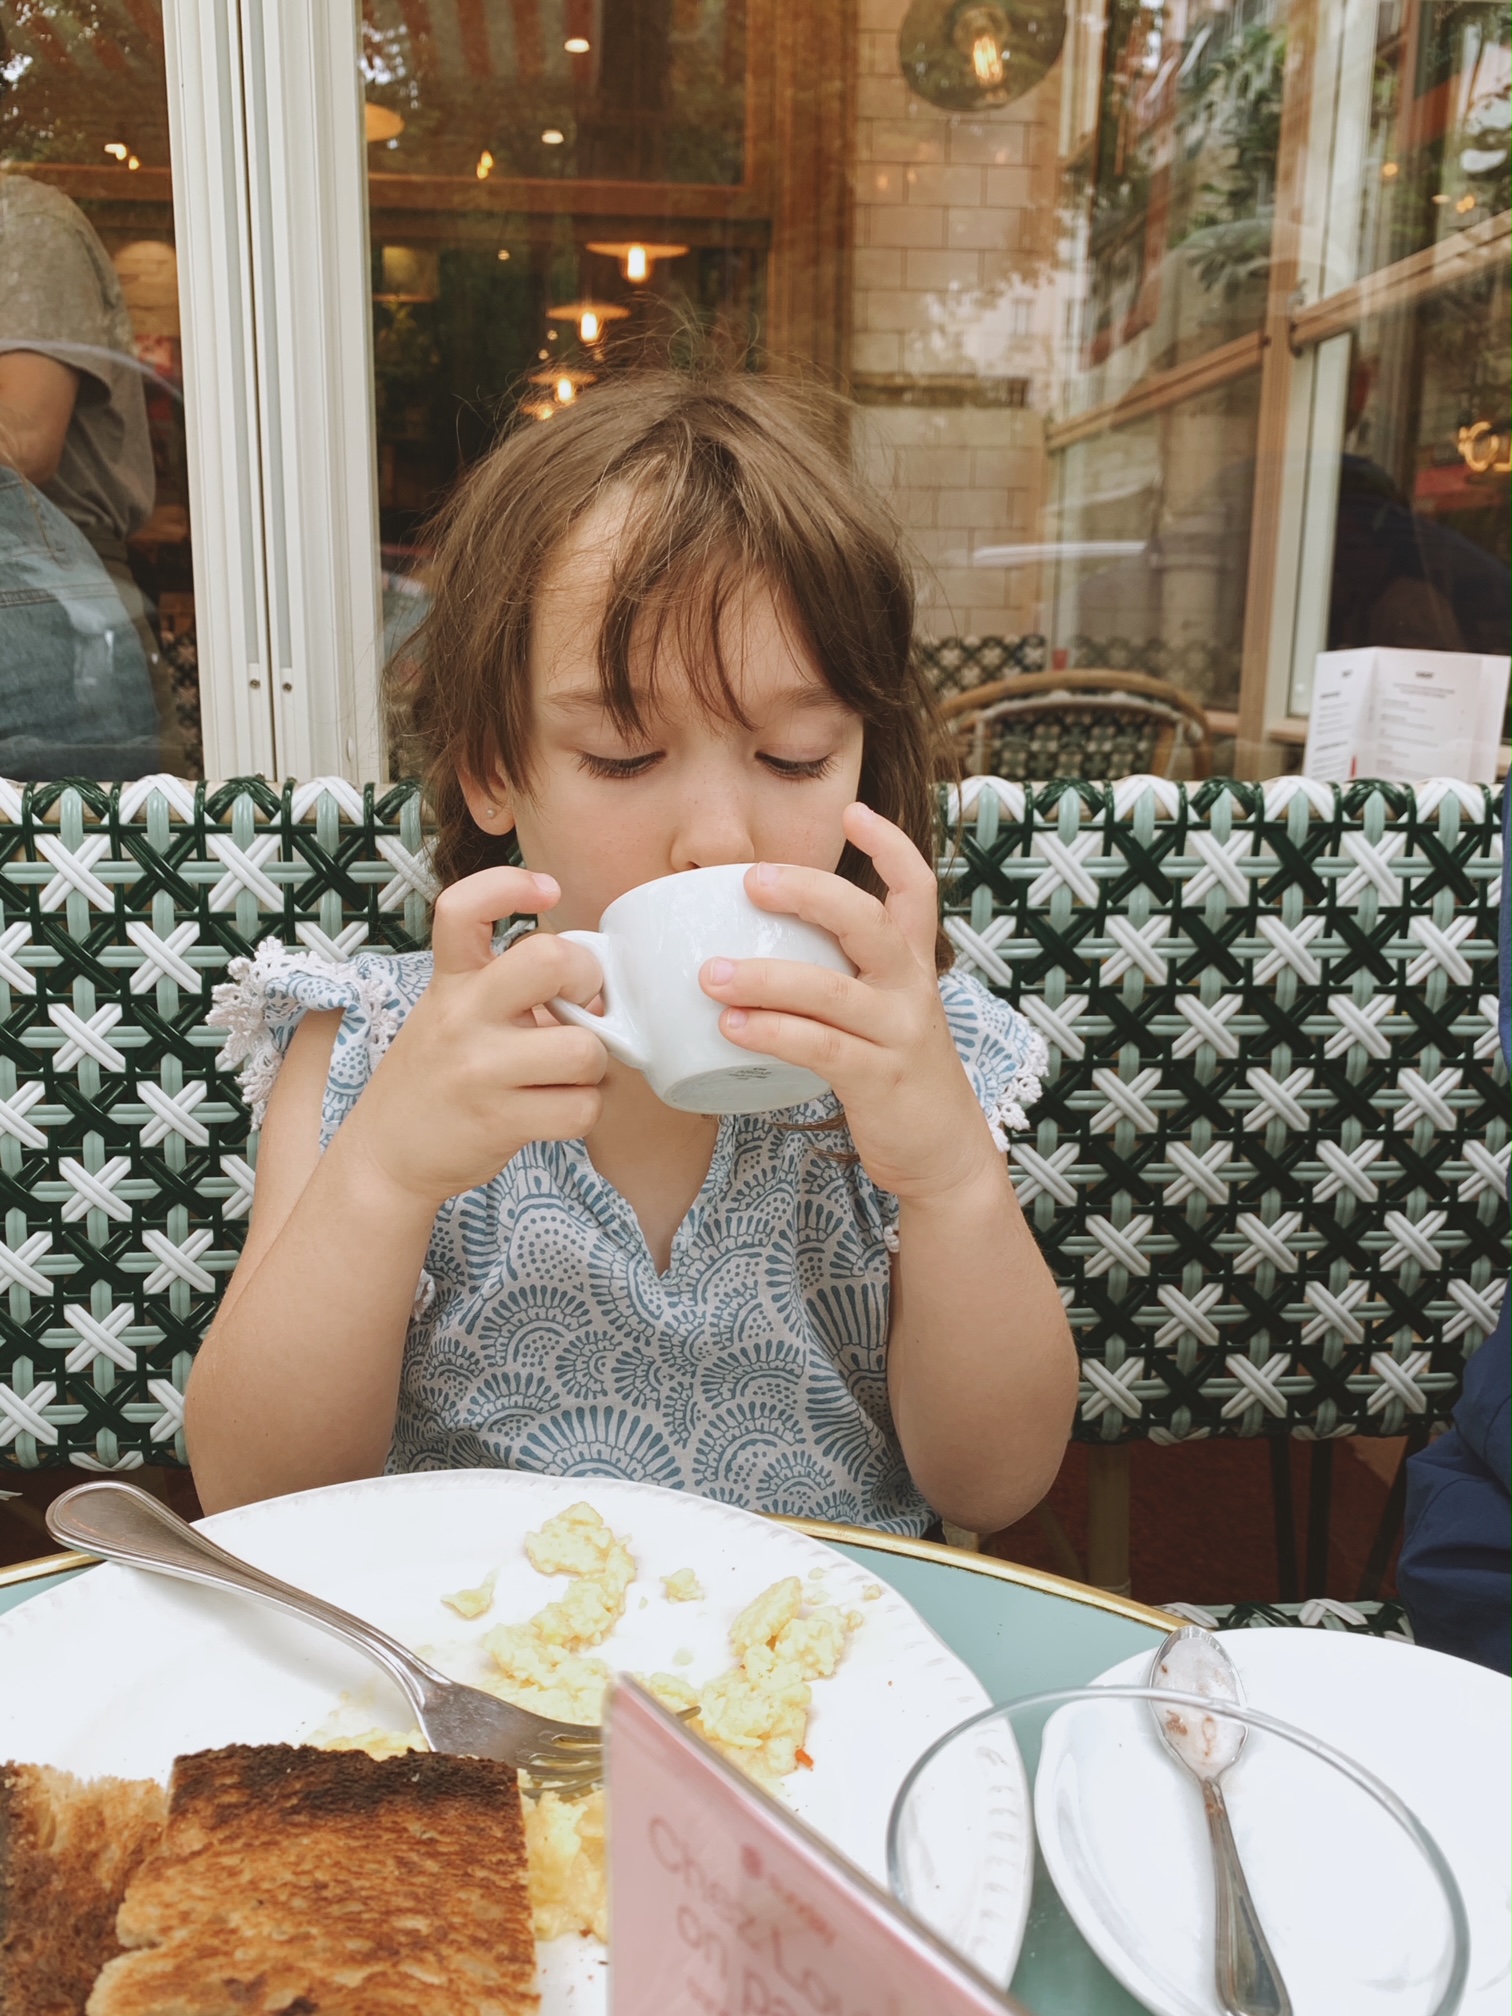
(1344, 1898)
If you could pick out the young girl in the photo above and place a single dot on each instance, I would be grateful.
(667, 632)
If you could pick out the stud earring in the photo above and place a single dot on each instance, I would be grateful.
(488, 811)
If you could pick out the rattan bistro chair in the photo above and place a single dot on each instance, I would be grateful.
(1269, 1165)
(1093, 725)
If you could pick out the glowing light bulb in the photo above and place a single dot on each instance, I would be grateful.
(577, 45)
(589, 327)
(565, 392)
(553, 137)
(1389, 171)
(987, 61)
(485, 166)
(132, 161)
(503, 252)
(118, 148)
(637, 265)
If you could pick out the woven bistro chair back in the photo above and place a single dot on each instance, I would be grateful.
(1087, 724)
(1268, 1168)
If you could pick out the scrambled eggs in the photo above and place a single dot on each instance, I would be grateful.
(756, 1713)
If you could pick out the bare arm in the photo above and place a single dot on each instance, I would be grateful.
(981, 1369)
(37, 397)
(297, 1383)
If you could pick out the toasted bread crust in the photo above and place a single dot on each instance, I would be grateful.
(67, 1851)
(301, 1882)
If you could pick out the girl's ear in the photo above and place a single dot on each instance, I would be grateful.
(491, 803)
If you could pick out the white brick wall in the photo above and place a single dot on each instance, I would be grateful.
(951, 278)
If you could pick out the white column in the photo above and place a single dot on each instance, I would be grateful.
(307, 187)
(208, 142)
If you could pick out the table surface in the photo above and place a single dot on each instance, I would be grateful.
(1021, 1632)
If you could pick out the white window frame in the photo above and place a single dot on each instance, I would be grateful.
(270, 212)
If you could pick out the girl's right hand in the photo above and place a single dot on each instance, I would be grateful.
(472, 1076)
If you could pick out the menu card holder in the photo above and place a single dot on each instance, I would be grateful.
(722, 1903)
(1406, 715)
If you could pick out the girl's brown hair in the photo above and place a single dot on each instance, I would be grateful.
(731, 478)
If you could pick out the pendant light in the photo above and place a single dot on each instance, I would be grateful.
(974, 55)
(638, 256)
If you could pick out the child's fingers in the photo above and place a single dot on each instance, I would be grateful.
(867, 934)
(558, 1112)
(790, 986)
(913, 900)
(462, 925)
(536, 969)
(836, 1055)
(558, 1058)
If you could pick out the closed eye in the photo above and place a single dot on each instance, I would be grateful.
(619, 766)
(784, 766)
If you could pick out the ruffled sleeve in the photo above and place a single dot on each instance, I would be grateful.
(1004, 1056)
(264, 999)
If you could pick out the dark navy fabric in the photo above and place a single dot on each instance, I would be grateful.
(1455, 1574)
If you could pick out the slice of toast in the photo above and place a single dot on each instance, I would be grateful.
(67, 1852)
(302, 1882)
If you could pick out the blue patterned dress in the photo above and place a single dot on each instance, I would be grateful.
(754, 1370)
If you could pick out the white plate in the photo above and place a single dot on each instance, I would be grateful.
(1123, 1837)
(120, 1671)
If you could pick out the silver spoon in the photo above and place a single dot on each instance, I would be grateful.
(1192, 1661)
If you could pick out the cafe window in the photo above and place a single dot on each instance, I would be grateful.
(99, 669)
(1158, 315)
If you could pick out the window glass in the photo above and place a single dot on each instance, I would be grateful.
(98, 669)
(553, 189)
(1151, 531)
(1421, 546)
(997, 262)
(1439, 112)
(1173, 193)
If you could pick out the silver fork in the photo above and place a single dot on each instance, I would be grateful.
(124, 1524)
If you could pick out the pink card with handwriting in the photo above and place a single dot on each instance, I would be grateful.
(723, 1904)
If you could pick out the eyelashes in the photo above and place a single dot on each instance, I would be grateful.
(625, 767)
(616, 766)
(817, 766)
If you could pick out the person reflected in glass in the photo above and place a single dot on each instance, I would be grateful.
(1399, 578)
(83, 686)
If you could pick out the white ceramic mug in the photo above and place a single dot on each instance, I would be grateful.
(651, 944)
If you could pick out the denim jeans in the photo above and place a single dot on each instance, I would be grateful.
(75, 693)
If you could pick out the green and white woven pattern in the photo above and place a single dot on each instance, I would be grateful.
(125, 1177)
(1270, 1166)
(956, 664)
(1269, 1170)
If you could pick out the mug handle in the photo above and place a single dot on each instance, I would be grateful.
(614, 1028)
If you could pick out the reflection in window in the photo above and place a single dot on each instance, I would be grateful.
(1439, 116)
(1179, 181)
(1153, 527)
(565, 90)
(1421, 539)
(94, 526)
(549, 198)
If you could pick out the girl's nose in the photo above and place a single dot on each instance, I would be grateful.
(713, 830)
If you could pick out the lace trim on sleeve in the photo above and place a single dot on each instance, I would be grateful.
(1022, 1090)
(261, 1001)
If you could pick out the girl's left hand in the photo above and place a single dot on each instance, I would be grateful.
(880, 1039)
